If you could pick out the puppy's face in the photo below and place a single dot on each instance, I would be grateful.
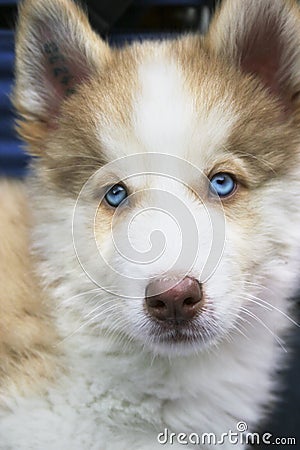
(180, 161)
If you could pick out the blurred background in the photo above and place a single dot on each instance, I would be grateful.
(121, 21)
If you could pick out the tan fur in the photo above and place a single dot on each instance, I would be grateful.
(225, 33)
(108, 95)
(72, 20)
(27, 335)
(212, 78)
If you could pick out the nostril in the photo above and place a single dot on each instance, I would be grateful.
(157, 307)
(190, 301)
(154, 303)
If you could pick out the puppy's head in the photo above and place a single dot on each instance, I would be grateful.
(167, 173)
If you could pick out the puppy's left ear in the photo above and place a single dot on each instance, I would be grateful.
(56, 52)
(262, 37)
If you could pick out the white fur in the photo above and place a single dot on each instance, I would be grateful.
(166, 118)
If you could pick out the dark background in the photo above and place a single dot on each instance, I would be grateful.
(120, 21)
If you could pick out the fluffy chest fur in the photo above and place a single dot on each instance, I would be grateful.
(124, 400)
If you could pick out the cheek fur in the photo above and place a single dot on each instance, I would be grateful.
(103, 226)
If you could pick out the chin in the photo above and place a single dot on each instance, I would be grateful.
(169, 340)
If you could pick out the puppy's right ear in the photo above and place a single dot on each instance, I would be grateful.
(56, 51)
(262, 38)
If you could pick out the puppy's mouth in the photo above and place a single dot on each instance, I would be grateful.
(196, 331)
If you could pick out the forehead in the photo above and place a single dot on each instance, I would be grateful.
(159, 104)
(177, 98)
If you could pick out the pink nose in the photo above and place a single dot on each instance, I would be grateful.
(174, 302)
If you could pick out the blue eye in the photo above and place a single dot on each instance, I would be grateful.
(222, 184)
(116, 195)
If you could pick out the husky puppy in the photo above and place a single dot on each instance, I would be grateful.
(148, 261)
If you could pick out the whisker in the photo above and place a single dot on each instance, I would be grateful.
(99, 306)
(68, 300)
(239, 326)
(277, 338)
(101, 313)
(265, 304)
(245, 297)
(82, 326)
(260, 300)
